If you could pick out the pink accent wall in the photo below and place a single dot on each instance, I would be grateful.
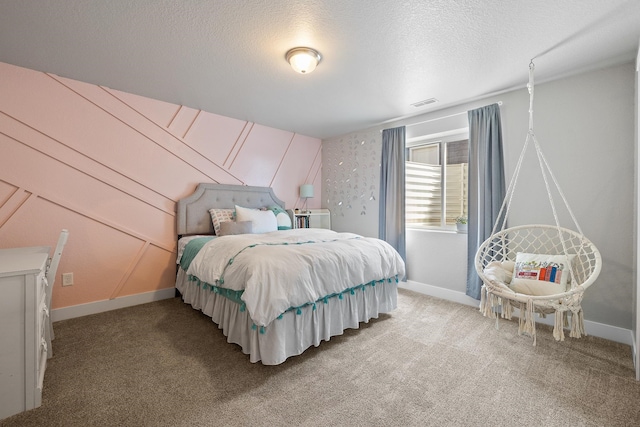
(109, 166)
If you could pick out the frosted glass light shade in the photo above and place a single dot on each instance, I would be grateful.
(303, 59)
(306, 191)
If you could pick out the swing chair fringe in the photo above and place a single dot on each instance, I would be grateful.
(494, 306)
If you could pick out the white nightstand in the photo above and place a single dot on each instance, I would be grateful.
(313, 218)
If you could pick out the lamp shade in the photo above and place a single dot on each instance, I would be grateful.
(306, 191)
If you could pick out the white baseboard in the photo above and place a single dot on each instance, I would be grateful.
(112, 304)
(634, 352)
(596, 329)
(438, 292)
(612, 333)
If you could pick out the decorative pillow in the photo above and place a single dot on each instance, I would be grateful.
(219, 216)
(539, 274)
(496, 271)
(228, 228)
(262, 221)
(282, 217)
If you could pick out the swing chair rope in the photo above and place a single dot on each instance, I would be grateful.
(530, 87)
(506, 203)
(543, 159)
(544, 167)
(501, 221)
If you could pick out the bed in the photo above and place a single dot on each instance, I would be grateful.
(277, 293)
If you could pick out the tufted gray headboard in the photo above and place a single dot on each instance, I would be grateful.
(192, 214)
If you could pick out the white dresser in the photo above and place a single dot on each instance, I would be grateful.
(24, 318)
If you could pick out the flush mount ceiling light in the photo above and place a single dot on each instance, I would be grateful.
(303, 59)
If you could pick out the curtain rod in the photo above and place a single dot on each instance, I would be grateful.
(444, 117)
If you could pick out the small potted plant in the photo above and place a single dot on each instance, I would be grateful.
(461, 223)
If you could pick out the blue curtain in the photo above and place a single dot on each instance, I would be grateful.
(486, 184)
(392, 185)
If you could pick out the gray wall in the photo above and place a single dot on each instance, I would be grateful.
(351, 174)
(585, 125)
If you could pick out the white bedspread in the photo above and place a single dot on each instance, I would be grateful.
(291, 268)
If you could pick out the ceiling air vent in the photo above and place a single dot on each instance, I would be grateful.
(425, 102)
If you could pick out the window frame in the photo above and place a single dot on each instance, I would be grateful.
(441, 139)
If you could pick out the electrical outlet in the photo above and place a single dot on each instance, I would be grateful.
(67, 279)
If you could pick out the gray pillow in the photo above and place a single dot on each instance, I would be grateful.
(228, 228)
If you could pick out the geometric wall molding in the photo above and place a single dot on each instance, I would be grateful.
(109, 166)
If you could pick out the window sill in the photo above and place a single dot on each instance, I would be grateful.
(436, 230)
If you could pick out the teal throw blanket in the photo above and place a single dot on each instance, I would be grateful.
(191, 250)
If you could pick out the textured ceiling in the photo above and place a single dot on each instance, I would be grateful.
(380, 56)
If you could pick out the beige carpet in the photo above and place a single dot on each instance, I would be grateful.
(429, 363)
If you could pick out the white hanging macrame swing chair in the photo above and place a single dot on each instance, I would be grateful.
(497, 255)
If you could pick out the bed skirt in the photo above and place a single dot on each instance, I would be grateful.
(296, 330)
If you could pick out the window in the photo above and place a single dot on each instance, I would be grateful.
(436, 181)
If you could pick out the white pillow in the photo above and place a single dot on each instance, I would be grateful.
(540, 274)
(262, 221)
(496, 271)
(509, 266)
